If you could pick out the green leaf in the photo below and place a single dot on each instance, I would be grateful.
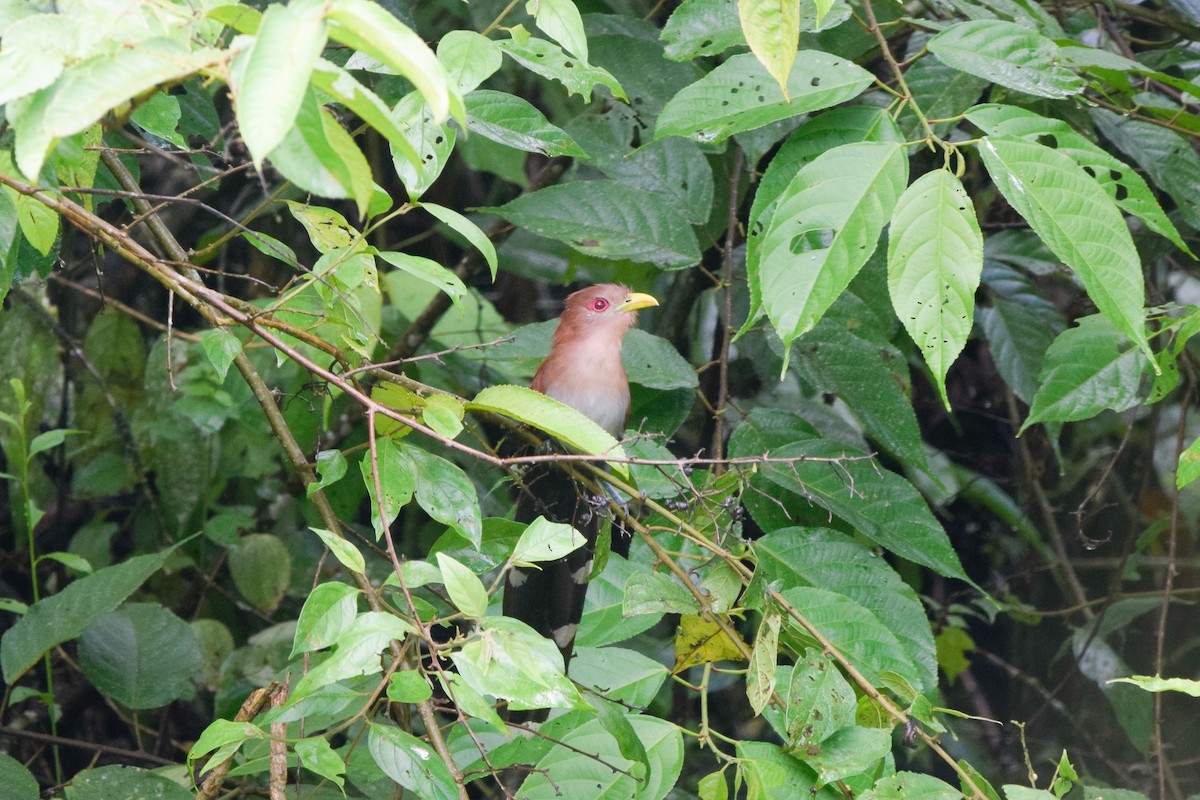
(115, 782)
(69, 560)
(878, 504)
(607, 219)
(467, 229)
(618, 673)
(1152, 683)
(408, 686)
(270, 79)
(223, 733)
(331, 467)
(935, 260)
(328, 612)
(315, 755)
(342, 550)
(517, 123)
(371, 29)
(411, 763)
(18, 780)
(769, 772)
(464, 587)
(849, 752)
(318, 155)
(1019, 325)
(713, 786)
(38, 222)
(141, 655)
(1008, 54)
(844, 125)
(221, 347)
(772, 29)
(1167, 158)
(1087, 370)
(740, 95)
(356, 652)
(581, 770)
(545, 541)
(913, 786)
(860, 635)
(1077, 221)
(825, 228)
(657, 593)
(432, 141)
(49, 440)
(549, 415)
(560, 20)
(89, 89)
(396, 479)
(548, 60)
(1124, 185)
(1189, 465)
(614, 720)
(761, 677)
(835, 562)
(337, 82)
(702, 28)
(940, 91)
(446, 494)
(508, 660)
(428, 271)
(849, 354)
(469, 57)
(675, 169)
(262, 569)
(819, 700)
(55, 619)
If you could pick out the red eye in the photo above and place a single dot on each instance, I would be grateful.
(599, 304)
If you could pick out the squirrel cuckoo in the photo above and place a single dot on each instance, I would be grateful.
(584, 371)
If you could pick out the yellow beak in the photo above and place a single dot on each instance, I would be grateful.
(637, 300)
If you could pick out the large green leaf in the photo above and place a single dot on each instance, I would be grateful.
(557, 419)
(1088, 369)
(371, 29)
(607, 219)
(64, 616)
(935, 260)
(1077, 221)
(835, 562)
(849, 354)
(469, 57)
(1008, 54)
(940, 91)
(508, 660)
(838, 126)
(560, 20)
(89, 89)
(913, 786)
(18, 780)
(140, 655)
(1166, 157)
(514, 121)
(702, 28)
(855, 631)
(548, 60)
(583, 769)
(876, 503)
(432, 141)
(772, 29)
(411, 763)
(445, 493)
(356, 651)
(1019, 324)
(1118, 180)
(319, 156)
(826, 226)
(740, 95)
(117, 782)
(271, 77)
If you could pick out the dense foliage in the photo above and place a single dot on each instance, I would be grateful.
(912, 435)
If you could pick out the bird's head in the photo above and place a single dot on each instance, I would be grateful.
(605, 311)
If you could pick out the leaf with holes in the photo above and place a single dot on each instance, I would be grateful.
(935, 260)
(1077, 221)
(772, 29)
(1008, 54)
(1118, 179)
(740, 95)
(826, 226)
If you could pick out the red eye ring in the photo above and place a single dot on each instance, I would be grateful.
(599, 304)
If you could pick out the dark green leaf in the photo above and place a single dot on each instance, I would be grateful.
(411, 763)
(1008, 54)
(114, 782)
(262, 569)
(64, 616)
(141, 655)
(19, 781)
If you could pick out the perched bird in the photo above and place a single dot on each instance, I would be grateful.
(584, 371)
